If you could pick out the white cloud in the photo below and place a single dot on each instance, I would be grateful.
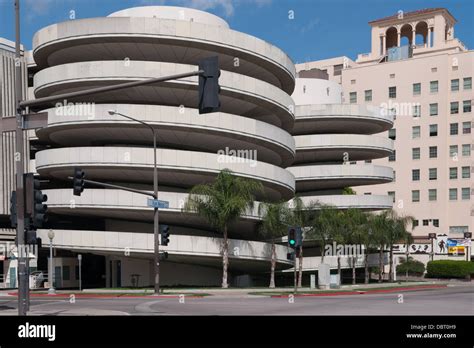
(227, 6)
(36, 7)
(310, 25)
(41, 7)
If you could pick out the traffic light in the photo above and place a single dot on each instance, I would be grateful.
(35, 212)
(295, 237)
(35, 209)
(78, 181)
(290, 256)
(39, 209)
(209, 88)
(13, 212)
(31, 238)
(165, 235)
(292, 237)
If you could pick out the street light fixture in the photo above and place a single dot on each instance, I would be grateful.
(51, 290)
(156, 241)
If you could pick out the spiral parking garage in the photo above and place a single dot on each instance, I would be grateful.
(298, 147)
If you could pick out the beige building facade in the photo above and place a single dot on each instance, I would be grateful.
(418, 69)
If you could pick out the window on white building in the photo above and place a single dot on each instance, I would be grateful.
(454, 85)
(415, 195)
(415, 132)
(416, 88)
(467, 81)
(465, 193)
(466, 172)
(453, 194)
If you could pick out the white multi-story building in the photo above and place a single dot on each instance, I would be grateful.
(420, 70)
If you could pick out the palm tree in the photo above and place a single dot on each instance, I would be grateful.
(221, 203)
(397, 232)
(370, 243)
(324, 226)
(408, 240)
(337, 230)
(380, 225)
(274, 225)
(356, 233)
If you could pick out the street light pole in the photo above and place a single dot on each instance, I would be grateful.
(156, 240)
(51, 290)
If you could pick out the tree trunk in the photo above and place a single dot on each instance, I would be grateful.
(272, 272)
(300, 273)
(225, 259)
(323, 246)
(407, 257)
(390, 272)
(366, 267)
(380, 263)
(354, 259)
(339, 275)
(339, 266)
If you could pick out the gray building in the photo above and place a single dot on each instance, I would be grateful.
(7, 144)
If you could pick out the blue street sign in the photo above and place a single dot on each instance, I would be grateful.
(156, 203)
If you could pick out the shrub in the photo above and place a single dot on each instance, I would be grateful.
(449, 269)
(413, 267)
(348, 191)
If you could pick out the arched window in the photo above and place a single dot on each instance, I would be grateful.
(406, 35)
(421, 33)
(391, 37)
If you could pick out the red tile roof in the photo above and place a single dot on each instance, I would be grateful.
(411, 13)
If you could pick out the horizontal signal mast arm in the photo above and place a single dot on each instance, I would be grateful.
(60, 97)
(103, 184)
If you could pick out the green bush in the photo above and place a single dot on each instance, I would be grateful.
(449, 269)
(414, 268)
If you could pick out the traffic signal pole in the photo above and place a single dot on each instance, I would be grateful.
(60, 97)
(294, 276)
(156, 248)
(20, 168)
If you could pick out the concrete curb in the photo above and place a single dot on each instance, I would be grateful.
(363, 292)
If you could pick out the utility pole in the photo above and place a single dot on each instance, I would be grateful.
(20, 167)
(294, 275)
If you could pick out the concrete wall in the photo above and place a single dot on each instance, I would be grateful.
(172, 274)
(316, 91)
(71, 263)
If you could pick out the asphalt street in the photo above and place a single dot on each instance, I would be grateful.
(457, 300)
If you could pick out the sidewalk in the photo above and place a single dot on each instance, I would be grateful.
(245, 291)
(241, 292)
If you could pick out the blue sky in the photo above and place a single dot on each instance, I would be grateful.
(320, 28)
